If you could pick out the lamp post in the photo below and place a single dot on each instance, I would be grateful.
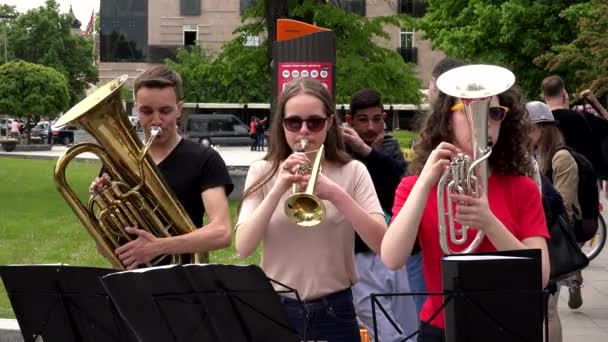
(4, 17)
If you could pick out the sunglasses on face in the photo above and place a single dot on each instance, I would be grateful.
(496, 113)
(313, 123)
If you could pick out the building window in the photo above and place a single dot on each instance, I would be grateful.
(353, 6)
(245, 4)
(123, 31)
(413, 8)
(190, 35)
(407, 38)
(190, 8)
(408, 51)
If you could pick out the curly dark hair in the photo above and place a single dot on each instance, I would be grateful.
(509, 154)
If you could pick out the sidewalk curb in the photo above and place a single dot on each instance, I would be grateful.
(9, 331)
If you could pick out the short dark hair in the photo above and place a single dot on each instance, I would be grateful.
(159, 77)
(552, 86)
(446, 64)
(365, 98)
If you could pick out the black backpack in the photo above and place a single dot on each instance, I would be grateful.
(588, 196)
(565, 255)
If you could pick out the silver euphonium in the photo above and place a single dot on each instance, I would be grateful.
(474, 85)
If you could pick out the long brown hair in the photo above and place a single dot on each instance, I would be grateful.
(278, 148)
(509, 153)
(551, 139)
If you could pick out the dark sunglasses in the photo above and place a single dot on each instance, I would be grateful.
(498, 113)
(314, 123)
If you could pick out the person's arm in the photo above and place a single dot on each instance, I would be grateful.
(216, 234)
(403, 231)
(362, 209)
(565, 179)
(593, 101)
(257, 209)
(401, 234)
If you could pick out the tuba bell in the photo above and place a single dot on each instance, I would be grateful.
(474, 85)
(136, 196)
(304, 208)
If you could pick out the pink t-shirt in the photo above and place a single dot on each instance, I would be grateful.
(514, 200)
(15, 126)
(315, 261)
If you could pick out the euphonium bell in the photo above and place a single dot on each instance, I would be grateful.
(136, 195)
(474, 85)
(304, 208)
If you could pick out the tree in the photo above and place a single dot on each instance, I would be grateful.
(43, 36)
(28, 89)
(510, 33)
(585, 59)
(242, 74)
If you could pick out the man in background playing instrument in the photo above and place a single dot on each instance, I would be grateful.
(384, 160)
(196, 174)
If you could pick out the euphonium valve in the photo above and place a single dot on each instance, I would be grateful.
(304, 208)
(475, 85)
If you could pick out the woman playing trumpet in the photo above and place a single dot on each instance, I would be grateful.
(318, 262)
(509, 213)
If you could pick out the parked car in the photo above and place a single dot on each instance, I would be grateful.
(63, 135)
(41, 129)
(217, 129)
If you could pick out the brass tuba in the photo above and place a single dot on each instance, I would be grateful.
(136, 195)
(474, 85)
(304, 208)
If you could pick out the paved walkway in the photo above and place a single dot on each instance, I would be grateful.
(233, 156)
(587, 324)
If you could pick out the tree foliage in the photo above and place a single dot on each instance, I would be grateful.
(43, 36)
(585, 59)
(511, 33)
(28, 89)
(242, 74)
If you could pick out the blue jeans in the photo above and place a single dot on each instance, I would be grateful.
(331, 318)
(416, 278)
(260, 141)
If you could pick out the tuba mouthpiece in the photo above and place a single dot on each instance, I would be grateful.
(155, 131)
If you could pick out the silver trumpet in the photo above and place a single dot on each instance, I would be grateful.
(474, 85)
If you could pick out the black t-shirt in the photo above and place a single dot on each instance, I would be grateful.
(189, 170)
(386, 169)
(576, 131)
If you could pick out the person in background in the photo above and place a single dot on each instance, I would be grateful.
(382, 156)
(439, 68)
(253, 134)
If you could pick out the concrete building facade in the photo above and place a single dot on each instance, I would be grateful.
(137, 34)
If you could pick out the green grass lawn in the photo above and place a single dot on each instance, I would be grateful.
(404, 137)
(38, 227)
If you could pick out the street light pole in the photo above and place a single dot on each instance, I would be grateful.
(5, 16)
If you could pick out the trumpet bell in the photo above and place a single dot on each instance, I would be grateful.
(305, 210)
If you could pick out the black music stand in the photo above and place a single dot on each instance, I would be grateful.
(63, 303)
(220, 303)
(497, 299)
